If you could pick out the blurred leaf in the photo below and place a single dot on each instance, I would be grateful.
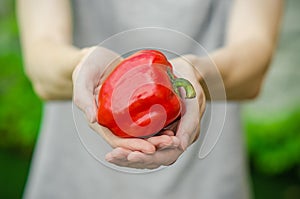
(274, 146)
(20, 110)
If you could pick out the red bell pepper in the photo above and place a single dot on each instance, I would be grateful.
(141, 96)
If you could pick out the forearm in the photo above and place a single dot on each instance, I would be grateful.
(250, 41)
(243, 67)
(49, 65)
(46, 37)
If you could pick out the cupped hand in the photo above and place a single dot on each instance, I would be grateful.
(180, 135)
(87, 77)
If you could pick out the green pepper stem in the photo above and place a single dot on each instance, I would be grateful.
(181, 82)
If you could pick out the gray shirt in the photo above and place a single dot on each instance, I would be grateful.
(62, 168)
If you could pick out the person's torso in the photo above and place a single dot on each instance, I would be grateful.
(63, 169)
(203, 20)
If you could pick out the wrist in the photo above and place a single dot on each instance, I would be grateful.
(49, 66)
(208, 75)
(242, 66)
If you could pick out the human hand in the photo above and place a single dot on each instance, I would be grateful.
(182, 132)
(87, 79)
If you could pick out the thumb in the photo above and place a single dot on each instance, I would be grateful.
(83, 91)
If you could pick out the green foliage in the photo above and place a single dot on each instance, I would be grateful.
(20, 108)
(274, 145)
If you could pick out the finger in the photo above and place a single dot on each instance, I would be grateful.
(189, 123)
(139, 160)
(118, 154)
(160, 158)
(189, 127)
(83, 97)
(190, 119)
(136, 144)
(133, 144)
(164, 141)
(88, 74)
(83, 92)
(88, 106)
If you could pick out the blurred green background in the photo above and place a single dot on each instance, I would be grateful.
(271, 123)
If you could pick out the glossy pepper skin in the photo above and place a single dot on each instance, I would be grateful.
(140, 96)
